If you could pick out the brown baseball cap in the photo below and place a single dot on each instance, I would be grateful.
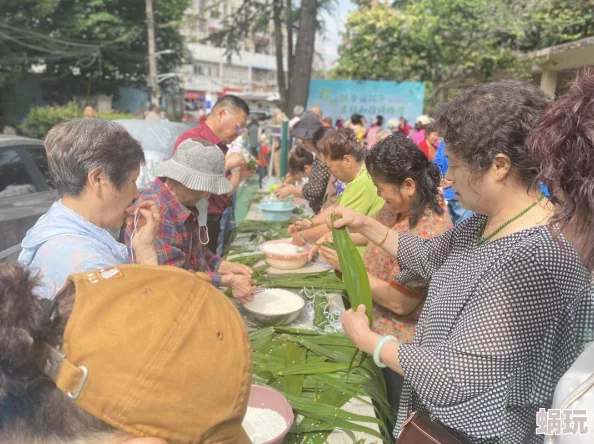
(156, 351)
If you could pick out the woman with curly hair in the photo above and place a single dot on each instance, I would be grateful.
(409, 184)
(499, 325)
(562, 146)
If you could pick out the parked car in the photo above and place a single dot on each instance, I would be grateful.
(26, 189)
(157, 140)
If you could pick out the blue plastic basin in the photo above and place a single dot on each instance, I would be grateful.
(277, 211)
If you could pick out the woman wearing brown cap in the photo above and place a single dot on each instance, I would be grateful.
(71, 371)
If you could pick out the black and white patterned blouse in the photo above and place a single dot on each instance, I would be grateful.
(314, 190)
(501, 324)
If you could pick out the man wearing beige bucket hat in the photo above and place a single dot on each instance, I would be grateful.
(129, 354)
(181, 192)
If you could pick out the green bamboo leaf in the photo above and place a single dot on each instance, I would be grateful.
(313, 369)
(295, 356)
(354, 273)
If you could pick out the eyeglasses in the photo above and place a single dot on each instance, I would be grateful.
(240, 129)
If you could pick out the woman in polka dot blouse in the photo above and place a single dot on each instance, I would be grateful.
(508, 307)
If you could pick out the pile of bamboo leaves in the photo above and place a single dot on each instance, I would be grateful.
(312, 371)
(323, 280)
(259, 232)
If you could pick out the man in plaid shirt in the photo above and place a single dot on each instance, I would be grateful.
(196, 171)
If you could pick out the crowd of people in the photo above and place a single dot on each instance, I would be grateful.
(477, 316)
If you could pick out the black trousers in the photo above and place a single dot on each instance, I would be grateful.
(394, 383)
(214, 230)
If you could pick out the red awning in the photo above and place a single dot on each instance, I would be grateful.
(193, 95)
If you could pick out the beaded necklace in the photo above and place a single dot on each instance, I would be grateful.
(481, 239)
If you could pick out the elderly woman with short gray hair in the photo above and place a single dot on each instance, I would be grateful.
(94, 164)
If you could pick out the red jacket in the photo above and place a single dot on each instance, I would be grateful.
(429, 150)
(216, 204)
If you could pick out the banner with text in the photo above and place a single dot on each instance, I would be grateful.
(342, 98)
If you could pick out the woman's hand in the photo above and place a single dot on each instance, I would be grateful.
(227, 267)
(330, 256)
(284, 191)
(316, 246)
(147, 219)
(245, 172)
(354, 221)
(356, 326)
(296, 239)
(242, 287)
(300, 225)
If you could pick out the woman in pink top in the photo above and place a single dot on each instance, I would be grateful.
(376, 127)
(422, 122)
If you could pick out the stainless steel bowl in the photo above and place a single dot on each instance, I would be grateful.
(273, 320)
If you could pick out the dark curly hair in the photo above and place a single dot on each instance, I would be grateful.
(32, 408)
(562, 148)
(299, 159)
(490, 119)
(337, 144)
(397, 158)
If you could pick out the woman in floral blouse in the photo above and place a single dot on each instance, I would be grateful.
(409, 183)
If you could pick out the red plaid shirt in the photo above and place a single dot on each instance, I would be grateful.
(216, 204)
(178, 241)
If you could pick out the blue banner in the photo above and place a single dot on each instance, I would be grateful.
(342, 98)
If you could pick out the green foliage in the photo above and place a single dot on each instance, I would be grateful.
(553, 22)
(116, 115)
(311, 371)
(96, 44)
(444, 42)
(43, 118)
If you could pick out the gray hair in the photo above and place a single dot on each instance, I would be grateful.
(76, 147)
(381, 135)
(393, 124)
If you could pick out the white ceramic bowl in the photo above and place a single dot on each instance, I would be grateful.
(285, 317)
(285, 261)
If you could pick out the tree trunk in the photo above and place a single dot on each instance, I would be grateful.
(290, 52)
(280, 69)
(304, 52)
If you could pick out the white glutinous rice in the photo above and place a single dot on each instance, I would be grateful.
(280, 248)
(274, 301)
(262, 425)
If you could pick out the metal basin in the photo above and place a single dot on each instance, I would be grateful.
(271, 320)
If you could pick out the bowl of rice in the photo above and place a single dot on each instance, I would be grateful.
(269, 416)
(282, 254)
(273, 307)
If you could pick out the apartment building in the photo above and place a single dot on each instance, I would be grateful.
(250, 74)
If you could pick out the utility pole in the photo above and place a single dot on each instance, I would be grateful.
(152, 54)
